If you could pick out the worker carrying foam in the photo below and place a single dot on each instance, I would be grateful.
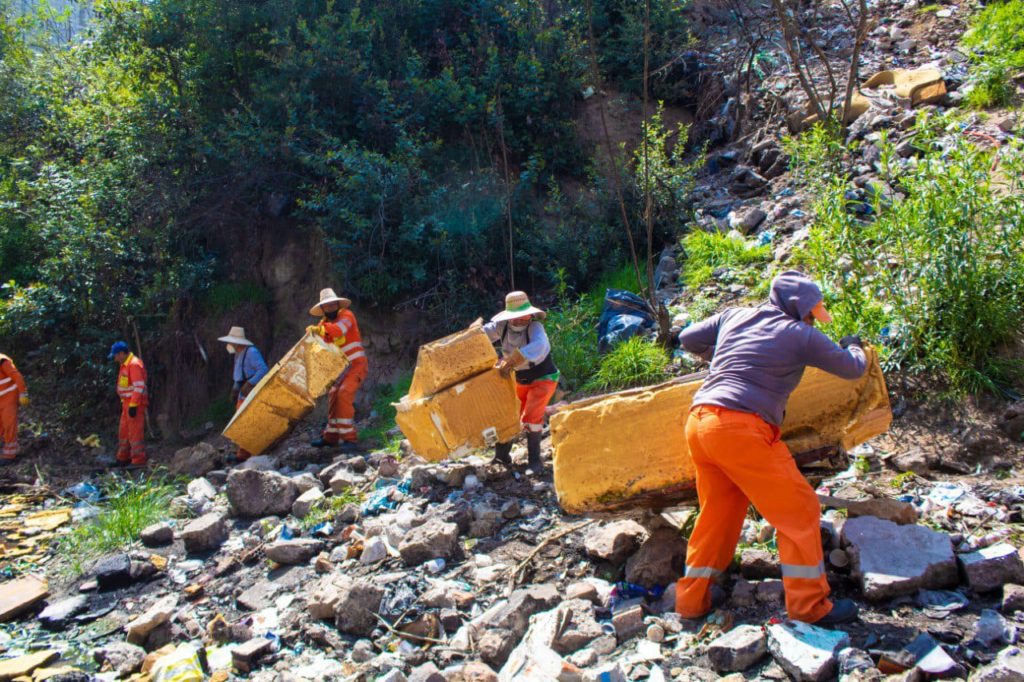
(250, 367)
(338, 326)
(13, 394)
(131, 389)
(758, 356)
(525, 349)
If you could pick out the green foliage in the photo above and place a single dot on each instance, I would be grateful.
(816, 153)
(634, 362)
(667, 176)
(996, 39)
(126, 508)
(705, 252)
(622, 278)
(937, 277)
(571, 327)
(225, 296)
(328, 507)
(383, 414)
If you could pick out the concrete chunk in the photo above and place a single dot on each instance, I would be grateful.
(305, 502)
(156, 615)
(738, 649)
(208, 532)
(806, 652)
(20, 595)
(891, 560)
(992, 567)
(294, 552)
(615, 541)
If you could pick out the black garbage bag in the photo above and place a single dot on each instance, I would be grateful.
(624, 316)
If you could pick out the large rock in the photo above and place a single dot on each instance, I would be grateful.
(578, 626)
(891, 560)
(358, 601)
(1008, 667)
(123, 658)
(806, 652)
(435, 539)
(294, 552)
(206, 533)
(738, 649)
(992, 567)
(615, 541)
(156, 615)
(659, 561)
(195, 461)
(503, 625)
(113, 571)
(322, 599)
(260, 493)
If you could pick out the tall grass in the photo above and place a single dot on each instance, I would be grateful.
(705, 252)
(996, 39)
(634, 362)
(937, 277)
(127, 506)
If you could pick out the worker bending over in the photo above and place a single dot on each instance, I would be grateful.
(250, 367)
(13, 393)
(526, 350)
(131, 389)
(338, 326)
(758, 356)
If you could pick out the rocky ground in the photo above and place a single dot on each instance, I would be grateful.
(302, 566)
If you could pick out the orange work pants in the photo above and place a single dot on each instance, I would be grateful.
(242, 453)
(9, 425)
(131, 445)
(341, 408)
(533, 399)
(739, 459)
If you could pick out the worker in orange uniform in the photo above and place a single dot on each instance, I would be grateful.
(525, 350)
(758, 356)
(250, 367)
(13, 393)
(131, 389)
(338, 326)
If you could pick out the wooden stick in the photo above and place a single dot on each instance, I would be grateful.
(514, 578)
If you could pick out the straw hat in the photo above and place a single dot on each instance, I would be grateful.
(237, 337)
(328, 296)
(517, 304)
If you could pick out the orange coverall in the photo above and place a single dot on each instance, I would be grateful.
(131, 389)
(741, 460)
(341, 411)
(12, 387)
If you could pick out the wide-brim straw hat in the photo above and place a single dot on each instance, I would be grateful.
(236, 336)
(517, 304)
(328, 296)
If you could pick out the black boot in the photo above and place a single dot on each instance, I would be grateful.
(503, 454)
(533, 451)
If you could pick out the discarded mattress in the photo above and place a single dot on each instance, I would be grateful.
(475, 413)
(286, 394)
(448, 361)
(627, 450)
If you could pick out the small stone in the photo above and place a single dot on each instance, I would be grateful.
(628, 622)
(206, 533)
(374, 550)
(656, 633)
(201, 489)
(122, 657)
(305, 482)
(603, 646)
(393, 675)
(342, 481)
(1013, 599)
(891, 560)
(495, 646)
(511, 509)
(113, 572)
(584, 658)
(659, 561)
(806, 652)
(758, 564)
(749, 221)
(1008, 667)
(157, 614)
(770, 592)
(435, 539)
(428, 672)
(578, 626)
(362, 651)
(294, 552)
(247, 655)
(194, 461)
(582, 590)
(742, 593)
(989, 568)
(357, 603)
(305, 502)
(615, 541)
(738, 649)
(157, 535)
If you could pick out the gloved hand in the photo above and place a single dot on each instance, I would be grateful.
(132, 411)
(851, 340)
(234, 395)
(508, 363)
(317, 329)
(24, 401)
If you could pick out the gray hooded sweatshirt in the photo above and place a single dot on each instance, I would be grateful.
(758, 355)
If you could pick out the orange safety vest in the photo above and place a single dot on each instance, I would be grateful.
(11, 382)
(344, 332)
(131, 382)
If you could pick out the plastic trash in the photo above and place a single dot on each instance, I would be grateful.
(435, 566)
(992, 628)
(623, 591)
(84, 491)
(181, 665)
(940, 603)
(382, 498)
(323, 529)
(624, 316)
(765, 238)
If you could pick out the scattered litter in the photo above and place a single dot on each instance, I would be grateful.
(939, 604)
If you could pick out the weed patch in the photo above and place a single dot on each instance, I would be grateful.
(383, 419)
(705, 252)
(634, 362)
(996, 40)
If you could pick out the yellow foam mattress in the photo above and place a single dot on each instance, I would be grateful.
(475, 413)
(627, 450)
(286, 394)
(450, 360)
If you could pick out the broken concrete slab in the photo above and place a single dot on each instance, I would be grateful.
(207, 533)
(259, 596)
(157, 534)
(296, 552)
(891, 560)
(435, 539)
(738, 649)
(113, 571)
(17, 596)
(577, 626)
(123, 658)
(628, 622)
(246, 656)
(989, 568)
(1008, 667)
(253, 493)
(533, 660)
(615, 541)
(157, 614)
(806, 652)
(358, 602)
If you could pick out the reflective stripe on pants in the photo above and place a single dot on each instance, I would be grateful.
(739, 460)
(131, 436)
(341, 409)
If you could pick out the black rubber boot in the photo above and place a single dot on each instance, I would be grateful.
(503, 454)
(843, 611)
(533, 451)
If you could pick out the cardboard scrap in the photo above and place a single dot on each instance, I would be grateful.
(19, 595)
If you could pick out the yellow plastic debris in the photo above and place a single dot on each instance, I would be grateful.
(918, 86)
(627, 450)
(181, 665)
(472, 414)
(286, 394)
(448, 361)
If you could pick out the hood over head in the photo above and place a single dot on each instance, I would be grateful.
(795, 294)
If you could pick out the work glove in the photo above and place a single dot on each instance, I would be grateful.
(132, 411)
(317, 329)
(851, 340)
(24, 401)
(234, 395)
(508, 363)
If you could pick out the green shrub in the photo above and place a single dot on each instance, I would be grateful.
(634, 362)
(996, 38)
(623, 278)
(571, 326)
(937, 277)
(817, 152)
(705, 252)
(383, 414)
(221, 298)
(991, 86)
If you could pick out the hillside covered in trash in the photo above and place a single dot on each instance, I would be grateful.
(176, 168)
